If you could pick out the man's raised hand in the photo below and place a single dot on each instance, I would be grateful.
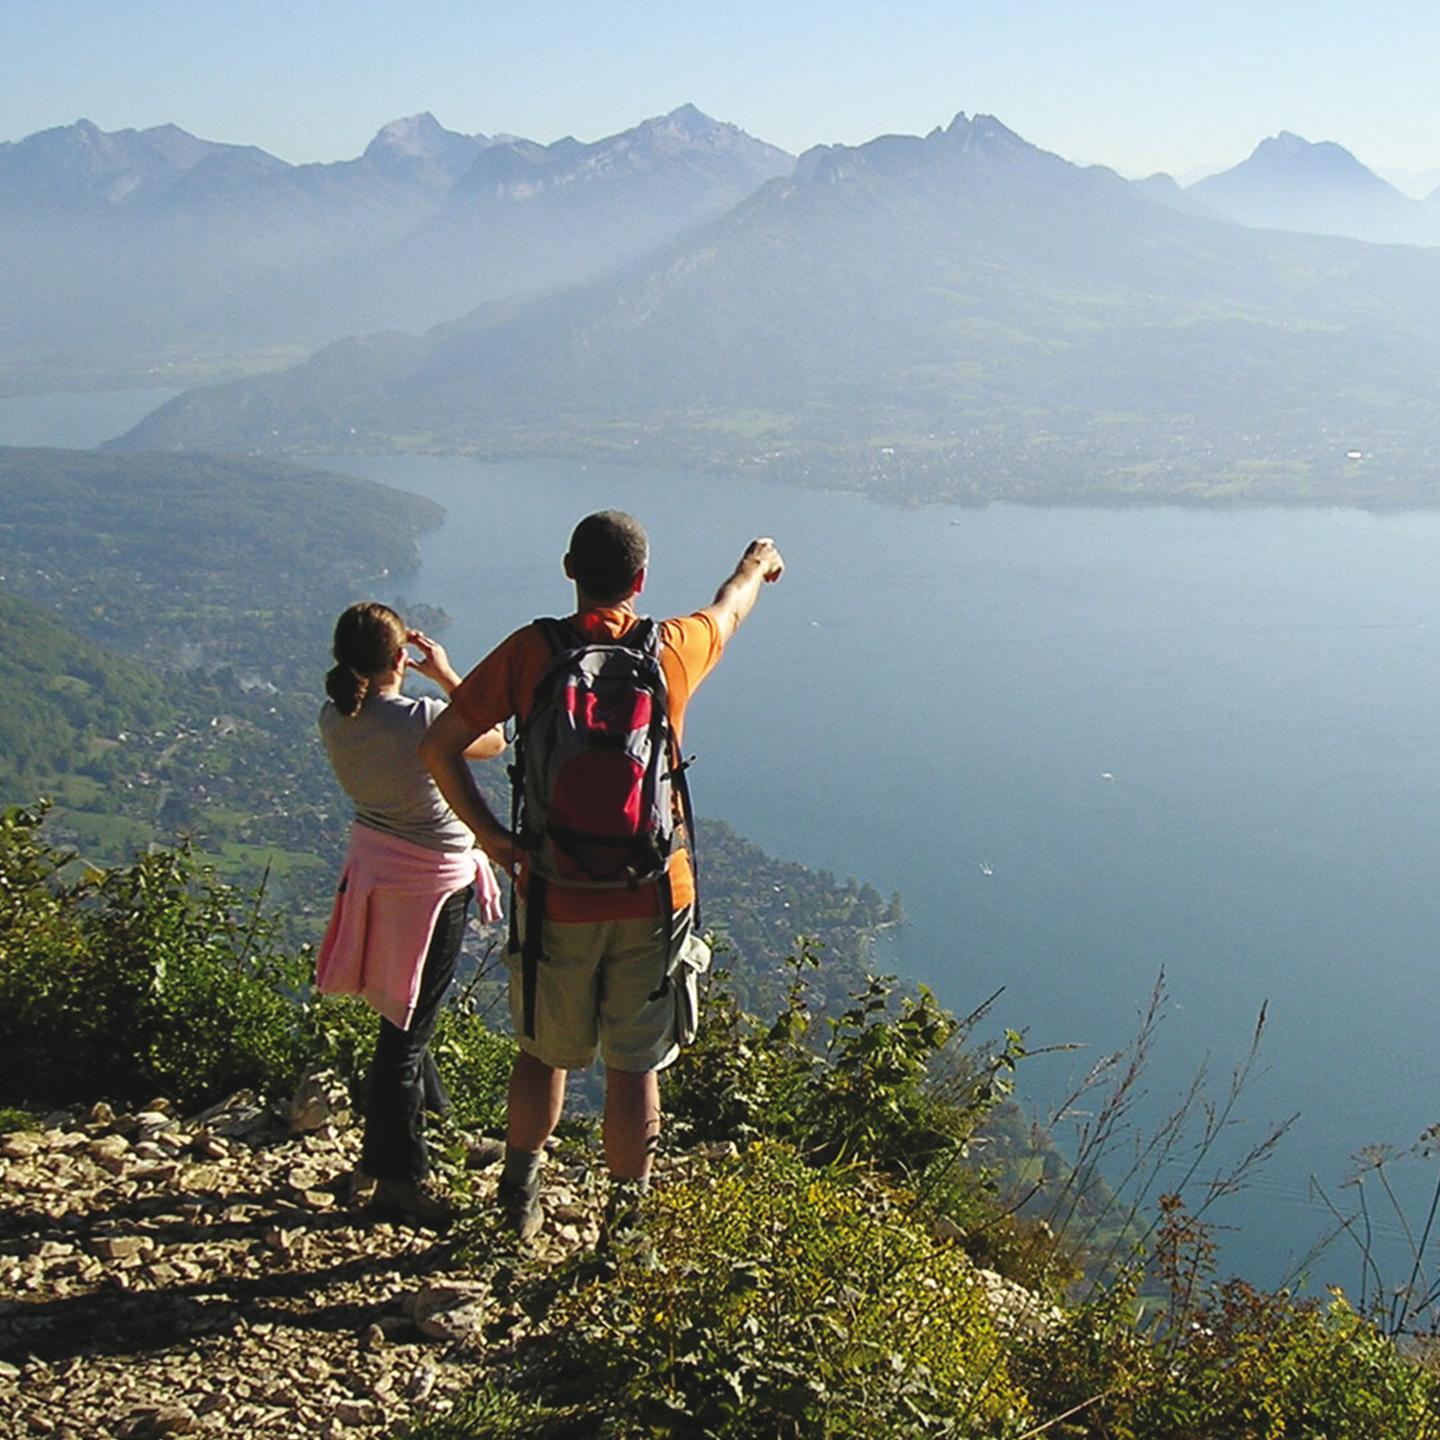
(763, 553)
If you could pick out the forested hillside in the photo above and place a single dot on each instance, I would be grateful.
(195, 561)
(67, 707)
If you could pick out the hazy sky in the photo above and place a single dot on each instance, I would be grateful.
(1131, 83)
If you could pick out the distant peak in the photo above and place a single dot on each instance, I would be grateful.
(684, 128)
(1288, 148)
(984, 132)
(688, 115)
(1287, 142)
(989, 125)
(409, 125)
(411, 134)
(979, 125)
(981, 138)
(421, 138)
(986, 124)
(685, 120)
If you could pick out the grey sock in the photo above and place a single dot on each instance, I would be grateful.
(522, 1169)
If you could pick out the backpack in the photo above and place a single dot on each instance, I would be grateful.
(599, 798)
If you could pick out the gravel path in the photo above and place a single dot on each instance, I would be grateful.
(219, 1275)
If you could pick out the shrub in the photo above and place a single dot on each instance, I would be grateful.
(1249, 1366)
(782, 1300)
(887, 1082)
(474, 1062)
(157, 977)
(1225, 1362)
(150, 977)
(493, 1411)
(740, 1079)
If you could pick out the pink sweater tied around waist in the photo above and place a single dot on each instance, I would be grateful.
(386, 905)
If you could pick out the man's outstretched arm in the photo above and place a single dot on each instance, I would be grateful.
(442, 752)
(761, 564)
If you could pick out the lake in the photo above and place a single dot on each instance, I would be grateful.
(1084, 745)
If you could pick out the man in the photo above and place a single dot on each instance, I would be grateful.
(603, 949)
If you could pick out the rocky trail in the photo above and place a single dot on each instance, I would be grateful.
(219, 1274)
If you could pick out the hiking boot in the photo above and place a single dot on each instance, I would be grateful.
(421, 1203)
(520, 1210)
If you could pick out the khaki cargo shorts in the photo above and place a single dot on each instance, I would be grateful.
(595, 989)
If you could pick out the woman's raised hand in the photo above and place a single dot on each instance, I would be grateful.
(433, 662)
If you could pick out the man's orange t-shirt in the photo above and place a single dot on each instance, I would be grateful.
(503, 684)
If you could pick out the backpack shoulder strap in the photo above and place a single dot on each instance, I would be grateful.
(643, 635)
(559, 635)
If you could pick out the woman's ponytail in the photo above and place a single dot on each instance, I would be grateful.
(366, 639)
(346, 689)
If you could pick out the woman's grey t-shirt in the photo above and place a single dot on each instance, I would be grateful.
(375, 756)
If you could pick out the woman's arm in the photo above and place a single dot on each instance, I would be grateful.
(435, 665)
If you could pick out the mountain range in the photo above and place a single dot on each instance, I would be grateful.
(80, 168)
(153, 246)
(961, 315)
(137, 257)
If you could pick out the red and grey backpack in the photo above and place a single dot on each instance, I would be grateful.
(599, 799)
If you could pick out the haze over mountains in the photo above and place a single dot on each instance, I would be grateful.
(157, 245)
(962, 315)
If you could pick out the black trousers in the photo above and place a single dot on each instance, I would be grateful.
(403, 1080)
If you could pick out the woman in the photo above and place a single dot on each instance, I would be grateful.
(399, 916)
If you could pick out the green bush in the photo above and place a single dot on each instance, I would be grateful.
(1249, 1366)
(158, 978)
(740, 1079)
(338, 1033)
(474, 1062)
(782, 1300)
(1228, 1363)
(493, 1411)
(147, 978)
(886, 1083)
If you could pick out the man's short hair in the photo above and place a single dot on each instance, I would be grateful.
(607, 551)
